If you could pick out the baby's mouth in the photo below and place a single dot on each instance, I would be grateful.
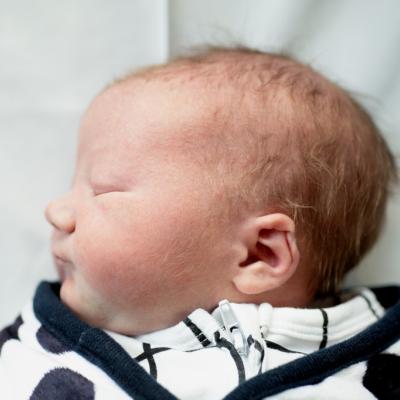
(61, 266)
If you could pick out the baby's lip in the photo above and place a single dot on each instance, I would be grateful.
(59, 258)
(57, 252)
(61, 265)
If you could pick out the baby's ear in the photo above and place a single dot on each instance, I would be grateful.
(272, 254)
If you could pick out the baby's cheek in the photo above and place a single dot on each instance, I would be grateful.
(124, 253)
(111, 262)
(93, 252)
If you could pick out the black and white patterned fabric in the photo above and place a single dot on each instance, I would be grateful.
(345, 351)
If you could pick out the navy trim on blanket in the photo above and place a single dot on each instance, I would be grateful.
(276, 346)
(387, 295)
(95, 345)
(100, 349)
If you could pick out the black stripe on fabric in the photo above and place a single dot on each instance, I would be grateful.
(154, 350)
(259, 348)
(150, 360)
(276, 346)
(221, 342)
(197, 332)
(368, 301)
(324, 340)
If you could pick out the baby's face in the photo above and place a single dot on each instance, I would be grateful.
(133, 241)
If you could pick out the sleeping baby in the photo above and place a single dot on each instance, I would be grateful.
(217, 203)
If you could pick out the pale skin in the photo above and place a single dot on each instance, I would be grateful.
(133, 241)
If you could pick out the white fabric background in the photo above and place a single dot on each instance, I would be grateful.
(55, 56)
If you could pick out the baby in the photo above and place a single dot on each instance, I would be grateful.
(217, 202)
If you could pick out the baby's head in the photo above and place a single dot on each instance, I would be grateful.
(229, 174)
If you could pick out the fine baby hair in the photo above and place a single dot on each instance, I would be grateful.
(295, 143)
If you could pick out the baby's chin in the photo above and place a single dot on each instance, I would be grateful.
(94, 310)
(87, 309)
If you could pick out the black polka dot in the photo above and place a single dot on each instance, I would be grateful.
(10, 332)
(382, 376)
(49, 342)
(63, 384)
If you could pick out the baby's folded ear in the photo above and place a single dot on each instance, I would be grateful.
(272, 254)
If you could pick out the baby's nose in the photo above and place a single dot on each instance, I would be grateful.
(61, 215)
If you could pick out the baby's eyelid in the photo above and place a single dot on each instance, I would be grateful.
(102, 190)
(99, 192)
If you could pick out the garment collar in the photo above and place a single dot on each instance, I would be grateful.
(298, 326)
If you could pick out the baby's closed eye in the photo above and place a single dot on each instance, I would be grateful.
(98, 190)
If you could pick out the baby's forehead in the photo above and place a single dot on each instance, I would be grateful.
(222, 104)
(154, 112)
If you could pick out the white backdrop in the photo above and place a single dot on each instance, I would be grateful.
(55, 56)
